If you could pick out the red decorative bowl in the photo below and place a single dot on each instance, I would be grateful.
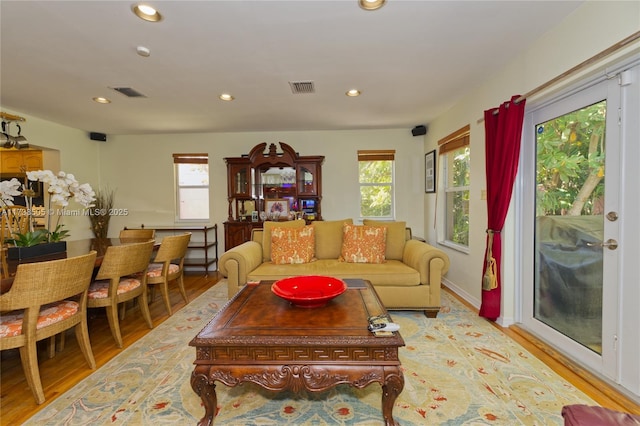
(309, 291)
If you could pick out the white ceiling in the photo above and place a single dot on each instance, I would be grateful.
(412, 60)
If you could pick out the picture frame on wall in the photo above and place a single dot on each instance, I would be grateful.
(430, 172)
(276, 208)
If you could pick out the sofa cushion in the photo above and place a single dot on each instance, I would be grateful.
(266, 234)
(329, 238)
(292, 245)
(391, 273)
(396, 237)
(363, 244)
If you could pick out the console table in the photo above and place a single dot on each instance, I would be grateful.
(209, 241)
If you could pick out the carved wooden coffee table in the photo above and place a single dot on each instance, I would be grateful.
(260, 338)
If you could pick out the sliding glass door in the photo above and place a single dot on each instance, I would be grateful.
(571, 209)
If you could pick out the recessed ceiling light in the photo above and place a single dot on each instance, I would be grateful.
(101, 100)
(143, 51)
(353, 92)
(371, 4)
(146, 12)
(226, 97)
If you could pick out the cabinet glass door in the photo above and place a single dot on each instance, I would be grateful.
(306, 179)
(278, 182)
(240, 182)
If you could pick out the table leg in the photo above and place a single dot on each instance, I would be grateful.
(393, 385)
(206, 390)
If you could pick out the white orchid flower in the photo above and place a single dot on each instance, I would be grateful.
(45, 176)
(61, 187)
(84, 195)
(8, 190)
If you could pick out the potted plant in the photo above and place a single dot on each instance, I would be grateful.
(100, 213)
(61, 188)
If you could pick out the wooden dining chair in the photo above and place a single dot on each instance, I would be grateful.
(4, 263)
(122, 277)
(168, 266)
(138, 233)
(14, 220)
(45, 299)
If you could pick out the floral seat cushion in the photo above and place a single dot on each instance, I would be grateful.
(155, 269)
(11, 323)
(100, 289)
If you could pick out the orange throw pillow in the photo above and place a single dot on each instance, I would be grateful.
(267, 226)
(363, 244)
(292, 245)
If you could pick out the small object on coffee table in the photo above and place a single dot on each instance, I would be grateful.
(389, 326)
(309, 291)
(382, 326)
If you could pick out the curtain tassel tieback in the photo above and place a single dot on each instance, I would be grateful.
(490, 278)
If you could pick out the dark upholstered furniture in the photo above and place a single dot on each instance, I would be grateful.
(587, 415)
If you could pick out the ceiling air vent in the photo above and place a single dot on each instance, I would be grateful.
(302, 87)
(129, 92)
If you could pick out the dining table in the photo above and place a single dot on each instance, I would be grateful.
(74, 248)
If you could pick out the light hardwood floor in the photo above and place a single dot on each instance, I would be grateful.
(69, 367)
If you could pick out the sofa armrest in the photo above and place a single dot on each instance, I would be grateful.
(236, 264)
(431, 262)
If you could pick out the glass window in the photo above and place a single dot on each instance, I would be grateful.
(455, 156)
(375, 175)
(456, 169)
(192, 186)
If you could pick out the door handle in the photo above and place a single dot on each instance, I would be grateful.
(611, 244)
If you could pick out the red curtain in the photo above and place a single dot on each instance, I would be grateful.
(503, 132)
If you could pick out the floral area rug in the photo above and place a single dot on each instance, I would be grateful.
(458, 369)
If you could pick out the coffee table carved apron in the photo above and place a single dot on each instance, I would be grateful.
(260, 338)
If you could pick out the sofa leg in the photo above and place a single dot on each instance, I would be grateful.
(431, 312)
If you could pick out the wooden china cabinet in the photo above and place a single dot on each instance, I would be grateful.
(270, 185)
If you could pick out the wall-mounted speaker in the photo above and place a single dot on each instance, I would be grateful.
(419, 130)
(98, 137)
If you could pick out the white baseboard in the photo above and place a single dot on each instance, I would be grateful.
(475, 302)
(460, 292)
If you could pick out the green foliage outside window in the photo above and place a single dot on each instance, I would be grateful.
(570, 162)
(376, 188)
(457, 196)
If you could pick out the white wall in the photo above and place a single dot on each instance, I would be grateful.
(143, 176)
(592, 28)
(140, 169)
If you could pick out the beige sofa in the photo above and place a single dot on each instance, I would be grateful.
(409, 278)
